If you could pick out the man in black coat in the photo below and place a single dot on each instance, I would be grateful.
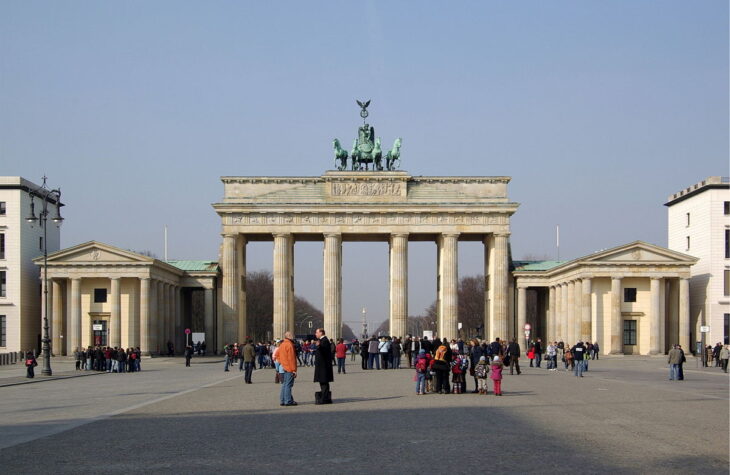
(323, 367)
(513, 350)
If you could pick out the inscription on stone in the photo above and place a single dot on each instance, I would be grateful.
(366, 189)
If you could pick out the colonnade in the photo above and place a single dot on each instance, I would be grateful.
(153, 314)
(233, 269)
(571, 317)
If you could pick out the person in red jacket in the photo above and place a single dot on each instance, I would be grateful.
(341, 354)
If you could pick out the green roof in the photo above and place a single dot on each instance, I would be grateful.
(195, 266)
(536, 266)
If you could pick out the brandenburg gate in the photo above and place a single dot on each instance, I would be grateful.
(382, 204)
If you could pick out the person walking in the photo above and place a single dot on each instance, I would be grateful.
(341, 354)
(496, 375)
(188, 355)
(596, 349)
(249, 360)
(30, 364)
(724, 356)
(286, 356)
(674, 358)
(78, 356)
(323, 368)
(578, 356)
(513, 351)
(229, 357)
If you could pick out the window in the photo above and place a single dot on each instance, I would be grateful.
(727, 244)
(3, 284)
(40, 243)
(688, 243)
(3, 331)
(2, 208)
(99, 295)
(726, 330)
(2, 246)
(727, 283)
(629, 294)
(687, 219)
(629, 332)
(726, 208)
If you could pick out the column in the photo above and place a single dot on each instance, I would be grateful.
(333, 285)
(169, 318)
(551, 324)
(500, 294)
(75, 336)
(571, 313)
(564, 310)
(43, 315)
(57, 346)
(283, 308)
(559, 327)
(133, 315)
(144, 315)
(655, 317)
(176, 323)
(616, 320)
(209, 320)
(585, 321)
(521, 312)
(398, 285)
(115, 318)
(487, 323)
(229, 290)
(449, 287)
(160, 322)
(684, 314)
(241, 263)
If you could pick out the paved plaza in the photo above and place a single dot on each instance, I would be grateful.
(623, 416)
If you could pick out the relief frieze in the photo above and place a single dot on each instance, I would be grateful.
(365, 219)
(367, 189)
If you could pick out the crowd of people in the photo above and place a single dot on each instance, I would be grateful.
(109, 359)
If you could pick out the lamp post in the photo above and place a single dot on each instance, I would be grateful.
(45, 195)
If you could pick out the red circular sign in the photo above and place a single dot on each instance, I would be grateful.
(528, 326)
(187, 331)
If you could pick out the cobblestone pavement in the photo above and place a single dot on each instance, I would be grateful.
(624, 416)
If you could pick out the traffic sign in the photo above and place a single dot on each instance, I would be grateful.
(528, 327)
(705, 329)
(188, 331)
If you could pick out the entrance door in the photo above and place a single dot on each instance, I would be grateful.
(631, 337)
(100, 334)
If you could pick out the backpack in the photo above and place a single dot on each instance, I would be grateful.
(481, 370)
(457, 368)
(421, 365)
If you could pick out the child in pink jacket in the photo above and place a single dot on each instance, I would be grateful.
(496, 375)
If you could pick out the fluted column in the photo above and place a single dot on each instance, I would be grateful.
(398, 285)
(161, 297)
(487, 318)
(500, 294)
(144, 315)
(585, 321)
(75, 336)
(521, 311)
(564, 311)
(616, 320)
(684, 314)
(333, 285)
(283, 275)
(571, 313)
(230, 289)
(551, 324)
(209, 320)
(241, 263)
(57, 318)
(655, 317)
(169, 310)
(449, 297)
(115, 317)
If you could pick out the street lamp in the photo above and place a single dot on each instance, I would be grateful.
(45, 195)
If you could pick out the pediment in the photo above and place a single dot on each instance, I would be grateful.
(95, 253)
(639, 252)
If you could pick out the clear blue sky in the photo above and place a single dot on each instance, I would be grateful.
(597, 110)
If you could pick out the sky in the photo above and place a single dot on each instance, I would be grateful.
(597, 110)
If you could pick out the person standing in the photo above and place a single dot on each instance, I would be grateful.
(78, 356)
(249, 360)
(286, 356)
(682, 360)
(724, 356)
(323, 367)
(364, 355)
(538, 352)
(229, 357)
(341, 354)
(513, 351)
(496, 375)
(30, 364)
(188, 355)
(373, 353)
(674, 358)
(579, 357)
(596, 349)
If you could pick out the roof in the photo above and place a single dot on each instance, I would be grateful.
(537, 265)
(713, 182)
(195, 266)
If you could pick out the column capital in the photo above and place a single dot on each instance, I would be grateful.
(282, 235)
(145, 278)
(114, 278)
(331, 235)
(229, 235)
(501, 234)
(617, 277)
(522, 286)
(450, 235)
(653, 277)
(401, 235)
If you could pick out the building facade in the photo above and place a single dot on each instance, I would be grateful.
(20, 288)
(698, 224)
(101, 295)
(632, 299)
